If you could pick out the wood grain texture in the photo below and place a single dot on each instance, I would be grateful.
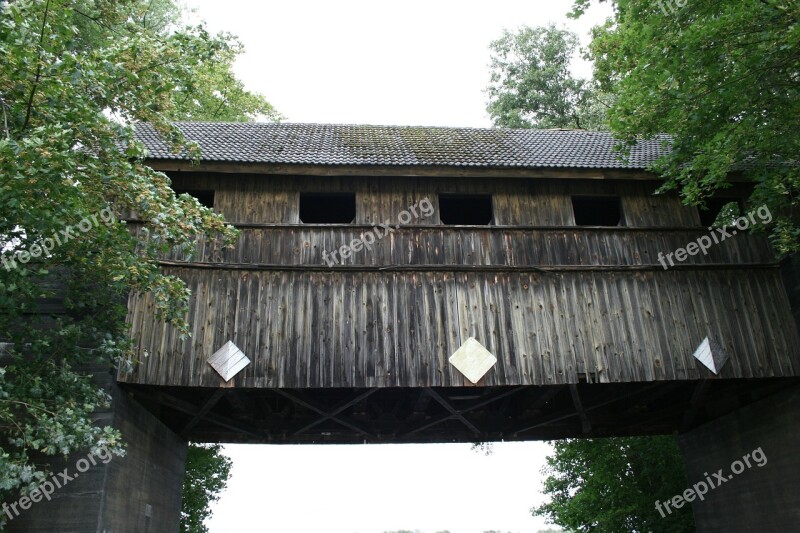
(555, 303)
(390, 329)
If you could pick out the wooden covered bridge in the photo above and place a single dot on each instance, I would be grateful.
(414, 284)
(543, 246)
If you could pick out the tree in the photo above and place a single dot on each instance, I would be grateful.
(207, 474)
(611, 485)
(723, 80)
(75, 77)
(531, 85)
(212, 93)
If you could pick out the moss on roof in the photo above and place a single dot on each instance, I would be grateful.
(335, 144)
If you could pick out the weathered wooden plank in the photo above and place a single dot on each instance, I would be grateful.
(632, 327)
(601, 305)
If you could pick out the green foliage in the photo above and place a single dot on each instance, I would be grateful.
(214, 93)
(722, 78)
(75, 77)
(611, 485)
(207, 474)
(531, 85)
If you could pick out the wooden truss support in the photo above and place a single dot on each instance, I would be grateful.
(458, 413)
(570, 413)
(203, 412)
(312, 406)
(331, 415)
(586, 426)
(191, 409)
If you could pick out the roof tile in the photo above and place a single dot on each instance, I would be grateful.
(338, 144)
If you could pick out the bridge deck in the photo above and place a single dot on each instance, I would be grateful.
(450, 414)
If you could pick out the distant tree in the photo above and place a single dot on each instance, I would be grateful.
(207, 474)
(531, 85)
(485, 448)
(723, 80)
(611, 485)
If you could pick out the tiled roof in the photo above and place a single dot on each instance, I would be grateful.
(335, 144)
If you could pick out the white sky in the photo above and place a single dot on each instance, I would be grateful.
(377, 488)
(419, 63)
(406, 63)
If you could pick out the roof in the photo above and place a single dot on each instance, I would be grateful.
(338, 144)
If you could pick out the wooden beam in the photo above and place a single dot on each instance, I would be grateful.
(544, 269)
(472, 407)
(570, 413)
(308, 404)
(456, 414)
(494, 398)
(586, 426)
(209, 404)
(498, 228)
(331, 415)
(177, 165)
(190, 409)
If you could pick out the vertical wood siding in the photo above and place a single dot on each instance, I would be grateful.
(555, 303)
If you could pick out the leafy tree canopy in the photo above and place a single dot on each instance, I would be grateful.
(723, 79)
(75, 76)
(531, 85)
(611, 485)
(207, 474)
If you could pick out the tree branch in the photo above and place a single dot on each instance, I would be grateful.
(5, 118)
(38, 68)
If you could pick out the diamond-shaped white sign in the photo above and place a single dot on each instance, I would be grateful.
(228, 361)
(712, 355)
(473, 360)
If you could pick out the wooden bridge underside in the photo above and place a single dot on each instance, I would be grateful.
(447, 414)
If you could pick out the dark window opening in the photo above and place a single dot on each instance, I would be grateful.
(597, 210)
(465, 209)
(713, 208)
(327, 208)
(206, 198)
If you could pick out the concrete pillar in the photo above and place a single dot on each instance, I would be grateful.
(140, 492)
(760, 498)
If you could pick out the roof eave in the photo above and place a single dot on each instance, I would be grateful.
(232, 167)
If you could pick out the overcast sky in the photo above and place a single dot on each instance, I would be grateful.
(419, 63)
(405, 63)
